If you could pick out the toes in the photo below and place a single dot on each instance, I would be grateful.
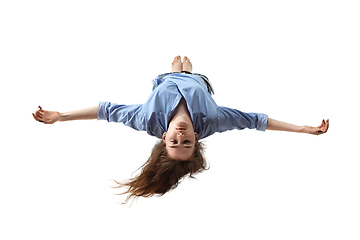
(176, 59)
(186, 59)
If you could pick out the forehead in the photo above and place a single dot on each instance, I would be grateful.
(180, 154)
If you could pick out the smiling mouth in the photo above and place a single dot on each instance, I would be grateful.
(181, 129)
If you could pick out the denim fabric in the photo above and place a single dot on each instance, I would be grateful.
(159, 79)
(154, 115)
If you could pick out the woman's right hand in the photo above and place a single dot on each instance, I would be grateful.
(47, 117)
(323, 128)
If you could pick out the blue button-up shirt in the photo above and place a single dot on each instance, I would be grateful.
(207, 117)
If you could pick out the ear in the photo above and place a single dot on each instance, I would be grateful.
(164, 137)
(196, 137)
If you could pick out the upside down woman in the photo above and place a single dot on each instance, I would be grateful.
(180, 111)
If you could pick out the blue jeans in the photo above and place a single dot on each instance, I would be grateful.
(206, 80)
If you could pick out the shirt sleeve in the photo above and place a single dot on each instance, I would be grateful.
(131, 115)
(229, 119)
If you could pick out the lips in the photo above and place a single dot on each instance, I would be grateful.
(181, 129)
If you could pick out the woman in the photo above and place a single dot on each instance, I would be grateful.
(180, 111)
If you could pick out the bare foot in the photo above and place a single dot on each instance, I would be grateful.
(186, 66)
(176, 64)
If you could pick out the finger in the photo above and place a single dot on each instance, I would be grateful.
(38, 115)
(324, 127)
(327, 125)
(323, 123)
(36, 118)
(41, 111)
(319, 129)
(320, 126)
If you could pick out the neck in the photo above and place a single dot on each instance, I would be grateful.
(181, 112)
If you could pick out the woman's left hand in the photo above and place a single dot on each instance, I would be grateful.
(47, 117)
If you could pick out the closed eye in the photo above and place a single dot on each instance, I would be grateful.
(176, 146)
(186, 142)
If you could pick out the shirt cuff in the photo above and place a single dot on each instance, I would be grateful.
(102, 113)
(262, 122)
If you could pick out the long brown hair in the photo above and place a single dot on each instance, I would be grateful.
(161, 174)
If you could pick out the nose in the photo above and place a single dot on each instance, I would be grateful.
(179, 133)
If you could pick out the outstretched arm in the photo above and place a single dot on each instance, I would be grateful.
(50, 117)
(282, 126)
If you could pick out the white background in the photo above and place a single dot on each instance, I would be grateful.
(297, 61)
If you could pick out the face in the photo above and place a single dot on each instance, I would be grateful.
(180, 140)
